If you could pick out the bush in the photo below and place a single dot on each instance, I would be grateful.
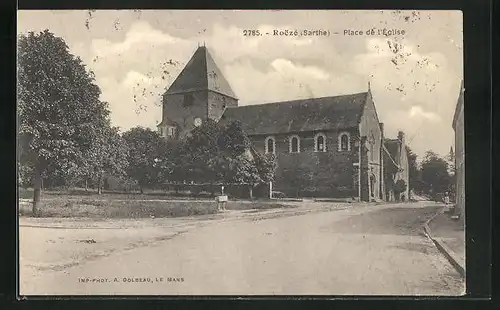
(400, 186)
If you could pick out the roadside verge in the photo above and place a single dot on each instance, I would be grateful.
(454, 258)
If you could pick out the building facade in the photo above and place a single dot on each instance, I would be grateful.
(325, 147)
(396, 168)
(458, 127)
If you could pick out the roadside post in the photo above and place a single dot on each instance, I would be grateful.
(221, 200)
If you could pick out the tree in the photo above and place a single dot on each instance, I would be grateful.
(399, 188)
(57, 100)
(108, 154)
(413, 175)
(434, 174)
(233, 140)
(145, 151)
(266, 165)
(201, 154)
(245, 164)
(450, 158)
(171, 162)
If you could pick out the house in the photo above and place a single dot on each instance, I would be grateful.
(325, 147)
(458, 127)
(396, 167)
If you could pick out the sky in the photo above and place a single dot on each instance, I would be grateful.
(136, 54)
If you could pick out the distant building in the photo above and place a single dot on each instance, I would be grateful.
(458, 127)
(326, 147)
(396, 167)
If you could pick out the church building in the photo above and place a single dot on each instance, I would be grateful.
(325, 147)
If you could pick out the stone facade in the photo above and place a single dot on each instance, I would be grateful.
(396, 167)
(370, 128)
(181, 110)
(309, 172)
(458, 127)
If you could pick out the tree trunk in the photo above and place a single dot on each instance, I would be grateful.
(142, 190)
(37, 190)
(251, 192)
(99, 185)
(86, 185)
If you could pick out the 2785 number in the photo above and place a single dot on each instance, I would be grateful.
(252, 33)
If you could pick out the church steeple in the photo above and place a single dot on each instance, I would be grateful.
(201, 73)
(200, 92)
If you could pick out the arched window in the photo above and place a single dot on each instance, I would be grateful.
(372, 147)
(344, 143)
(320, 143)
(294, 144)
(270, 145)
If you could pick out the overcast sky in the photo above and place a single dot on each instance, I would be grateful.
(415, 77)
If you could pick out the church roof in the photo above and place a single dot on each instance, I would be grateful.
(326, 113)
(201, 73)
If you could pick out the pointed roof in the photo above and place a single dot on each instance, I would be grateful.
(201, 73)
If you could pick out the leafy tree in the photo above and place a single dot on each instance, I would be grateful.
(247, 165)
(200, 154)
(413, 175)
(266, 165)
(170, 162)
(434, 174)
(57, 101)
(450, 158)
(299, 177)
(399, 188)
(233, 140)
(108, 155)
(145, 151)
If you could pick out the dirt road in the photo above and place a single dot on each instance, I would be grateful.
(375, 250)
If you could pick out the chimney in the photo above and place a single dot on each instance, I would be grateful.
(382, 129)
(401, 137)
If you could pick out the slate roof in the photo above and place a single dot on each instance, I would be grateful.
(317, 114)
(201, 73)
(165, 122)
(392, 145)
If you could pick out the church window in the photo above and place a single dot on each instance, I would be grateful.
(344, 143)
(320, 143)
(294, 144)
(371, 150)
(372, 146)
(270, 145)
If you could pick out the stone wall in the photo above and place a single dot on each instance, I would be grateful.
(460, 161)
(217, 104)
(310, 173)
(369, 127)
(177, 112)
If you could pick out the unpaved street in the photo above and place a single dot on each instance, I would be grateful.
(356, 250)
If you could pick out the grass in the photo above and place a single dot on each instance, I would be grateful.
(120, 205)
(119, 209)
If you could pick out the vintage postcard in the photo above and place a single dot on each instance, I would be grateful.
(234, 152)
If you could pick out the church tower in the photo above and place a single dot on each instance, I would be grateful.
(199, 92)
